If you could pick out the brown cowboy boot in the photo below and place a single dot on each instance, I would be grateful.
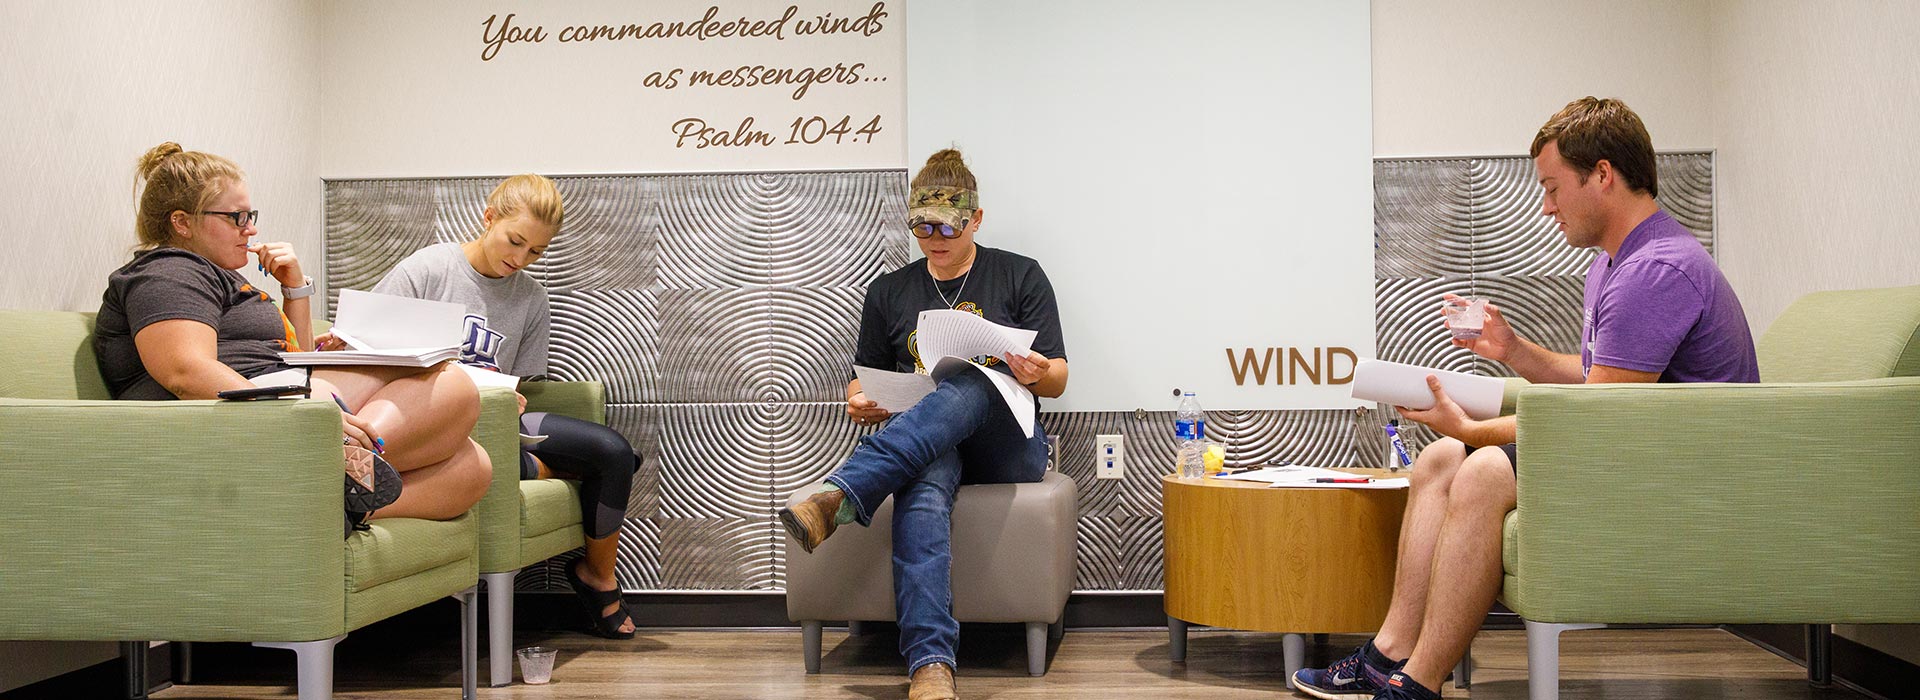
(811, 521)
(933, 681)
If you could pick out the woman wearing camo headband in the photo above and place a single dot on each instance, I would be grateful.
(961, 433)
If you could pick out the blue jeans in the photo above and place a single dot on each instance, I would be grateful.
(962, 433)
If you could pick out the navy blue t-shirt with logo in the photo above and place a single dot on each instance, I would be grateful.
(1002, 287)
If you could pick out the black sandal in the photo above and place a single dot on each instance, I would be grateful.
(596, 600)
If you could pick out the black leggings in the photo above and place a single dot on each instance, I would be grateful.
(595, 454)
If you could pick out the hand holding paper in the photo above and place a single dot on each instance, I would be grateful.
(1399, 384)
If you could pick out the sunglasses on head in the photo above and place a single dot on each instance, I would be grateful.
(930, 229)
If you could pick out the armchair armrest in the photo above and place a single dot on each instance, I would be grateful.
(191, 520)
(498, 432)
(1510, 395)
(586, 401)
(1730, 503)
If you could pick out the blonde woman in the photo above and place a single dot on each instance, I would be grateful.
(507, 330)
(178, 322)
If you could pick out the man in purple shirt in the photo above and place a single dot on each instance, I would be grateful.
(1656, 309)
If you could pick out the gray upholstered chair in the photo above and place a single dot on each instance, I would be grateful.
(1013, 561)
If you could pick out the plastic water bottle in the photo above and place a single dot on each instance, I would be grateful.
(1189, 420)
(1190, 429)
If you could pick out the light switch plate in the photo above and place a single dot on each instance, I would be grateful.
(1110, 456)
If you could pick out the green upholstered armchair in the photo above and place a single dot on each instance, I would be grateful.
(525, 522)
(1786, 502)
(199, 520)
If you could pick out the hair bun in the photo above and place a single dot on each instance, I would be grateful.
(946, 155)
(155, 156)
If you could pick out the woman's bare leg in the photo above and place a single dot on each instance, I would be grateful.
(596, 568)
(443, 490)
(425, 416)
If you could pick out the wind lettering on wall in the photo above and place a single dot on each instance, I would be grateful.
(1289, 365)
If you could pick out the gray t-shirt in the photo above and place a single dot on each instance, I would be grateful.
(165, 284)
(507, 318)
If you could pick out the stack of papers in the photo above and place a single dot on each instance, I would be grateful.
(393, 331)
(1302, 476)
(947, 339)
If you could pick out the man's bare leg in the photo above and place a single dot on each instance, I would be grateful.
(1466, 565)
(1427, 503)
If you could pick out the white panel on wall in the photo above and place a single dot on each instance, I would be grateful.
(448, 87)
(1479, 77)
(1194, 178)
(89, 86)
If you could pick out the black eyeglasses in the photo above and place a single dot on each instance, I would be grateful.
(239, 218)
(928, 229)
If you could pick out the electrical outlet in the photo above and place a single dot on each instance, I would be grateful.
(1110, 456)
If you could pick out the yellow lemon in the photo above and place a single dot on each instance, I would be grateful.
(1214, 458)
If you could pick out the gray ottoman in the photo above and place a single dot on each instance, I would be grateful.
(1013, 561)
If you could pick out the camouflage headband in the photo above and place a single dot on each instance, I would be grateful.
(947, 205)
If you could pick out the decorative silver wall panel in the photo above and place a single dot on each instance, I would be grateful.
(720, 312)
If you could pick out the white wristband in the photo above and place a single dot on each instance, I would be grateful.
(306, 289)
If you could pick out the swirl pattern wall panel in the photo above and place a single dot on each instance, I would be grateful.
(720, 312)
(1422, 219)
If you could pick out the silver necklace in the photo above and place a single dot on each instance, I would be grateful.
(957, 295)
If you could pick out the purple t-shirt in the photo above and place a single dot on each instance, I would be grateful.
(1661, 305)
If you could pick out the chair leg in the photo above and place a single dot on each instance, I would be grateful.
(183, 663)
(500, 627)
(1176, 639)
(1463, 673)
(134, 654)
(810, 644)
(1820, 656)
(1543, 657)
(469, 642)
(1037, 648)
(1293, 653)
(314, 661)
(856, 628)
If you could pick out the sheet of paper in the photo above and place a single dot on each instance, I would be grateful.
(487, 377)
(944, 332)
(1018, 399)
(1294, 473)
(1375, 484)
(1397, 384)
(386, 322)
(894, 391)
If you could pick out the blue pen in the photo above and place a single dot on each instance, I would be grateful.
(1399, 448)
(379, 444)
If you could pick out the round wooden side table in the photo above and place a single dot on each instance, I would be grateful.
(1242, 555)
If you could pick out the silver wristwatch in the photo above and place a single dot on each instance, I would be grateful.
(306, 289)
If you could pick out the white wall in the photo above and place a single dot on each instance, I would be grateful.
(1130, 148)
(1816, 107)
(1815, 110)
(90, 85)
(1479, 77)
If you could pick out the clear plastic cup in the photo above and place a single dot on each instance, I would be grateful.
(1465, 317)
(536, 664)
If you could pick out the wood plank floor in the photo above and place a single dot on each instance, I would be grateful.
(1685, 664)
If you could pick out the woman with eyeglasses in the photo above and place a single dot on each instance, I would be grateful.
(962, 433)
(508, 324)
(178, 322)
